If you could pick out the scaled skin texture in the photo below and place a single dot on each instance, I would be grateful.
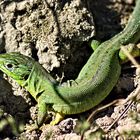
(94, 82)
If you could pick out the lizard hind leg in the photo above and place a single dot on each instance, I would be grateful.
(57, 119)
(94, 44)
(130, 48)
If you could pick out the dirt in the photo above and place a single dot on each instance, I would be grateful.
(56, 33)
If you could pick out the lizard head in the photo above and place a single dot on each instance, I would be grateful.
(16, 65)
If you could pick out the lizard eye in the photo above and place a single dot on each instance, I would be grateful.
(9, 66)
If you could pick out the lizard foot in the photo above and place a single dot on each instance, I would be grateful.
(57, 119)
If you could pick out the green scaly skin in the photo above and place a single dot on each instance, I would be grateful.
(94, 82)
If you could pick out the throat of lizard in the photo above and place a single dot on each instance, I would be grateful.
(38, 81)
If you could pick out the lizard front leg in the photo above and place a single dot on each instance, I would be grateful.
(42, 111)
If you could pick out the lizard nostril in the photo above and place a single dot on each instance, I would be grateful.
(26, 77)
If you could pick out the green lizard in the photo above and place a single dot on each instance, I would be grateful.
(94, 82)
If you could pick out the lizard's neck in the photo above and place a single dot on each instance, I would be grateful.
(38, 81)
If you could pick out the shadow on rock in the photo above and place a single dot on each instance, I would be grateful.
(14, 111)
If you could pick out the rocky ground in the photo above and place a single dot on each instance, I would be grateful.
(56, 34)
